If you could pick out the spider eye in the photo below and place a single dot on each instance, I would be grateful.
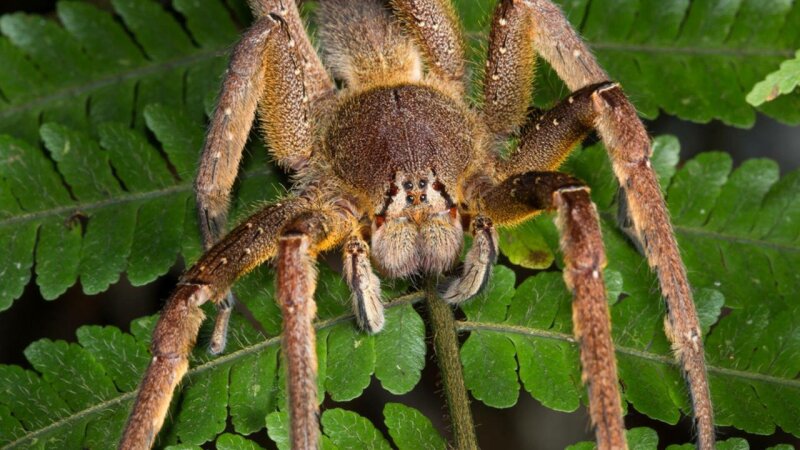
(409, 198)
(408, 185)
(423, 198)
(422, 184)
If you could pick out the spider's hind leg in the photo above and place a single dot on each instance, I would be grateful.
(437, 32)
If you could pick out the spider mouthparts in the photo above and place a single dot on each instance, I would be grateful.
(418, 215)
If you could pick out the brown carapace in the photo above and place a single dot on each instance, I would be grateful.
(394, 166)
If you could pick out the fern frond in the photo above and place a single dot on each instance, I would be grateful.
(94, 68)
(105, 206)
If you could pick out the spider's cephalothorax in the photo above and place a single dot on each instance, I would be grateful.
(405, 148)
(395, 166)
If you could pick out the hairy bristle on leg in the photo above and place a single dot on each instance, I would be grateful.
(173, 340)
(584, 258)
(245, 247)
(365, 287)
(219, 335)
(478, 263)
(629, 149)
(437, 32)
(296, 284)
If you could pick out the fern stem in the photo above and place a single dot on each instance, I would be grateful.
(445, 344)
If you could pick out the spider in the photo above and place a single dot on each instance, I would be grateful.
(394, 166)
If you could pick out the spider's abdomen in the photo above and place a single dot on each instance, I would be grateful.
(407, 128)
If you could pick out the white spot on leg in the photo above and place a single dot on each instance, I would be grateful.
(555, 122)
(495, 77)
(576, 53)
(217, 155)
(503, 22)
(228, 111)
(595, 274)
(229, 136)
(503, 50)
(247, 251)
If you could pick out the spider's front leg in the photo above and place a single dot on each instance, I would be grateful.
(248, 245)
(516, 199)
(613, 116)
(298, 245)
(273, 65)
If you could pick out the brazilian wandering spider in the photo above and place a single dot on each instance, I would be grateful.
(394, 167)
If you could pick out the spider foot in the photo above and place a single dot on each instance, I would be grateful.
(219, 337)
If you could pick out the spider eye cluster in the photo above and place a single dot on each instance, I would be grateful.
(417, 232)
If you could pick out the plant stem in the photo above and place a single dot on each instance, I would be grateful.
(445, 344)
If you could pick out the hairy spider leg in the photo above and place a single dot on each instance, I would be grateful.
(245, 247)
(523, 195)
(318, 83)
(436, 30)
(629, 149)
(279, 39)
(298, 246)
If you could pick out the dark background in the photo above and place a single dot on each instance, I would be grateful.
(526, 425)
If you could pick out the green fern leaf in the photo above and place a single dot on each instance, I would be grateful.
(647, 439)
(125, 209)
(782, 81)
(114, 68)
(230, 441)
(410, 429)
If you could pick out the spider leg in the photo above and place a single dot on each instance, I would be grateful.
(364, 284)
(436, 29)
(247, 246)
(524, 195)
(629, 148)
(296, 281)
(317, 81)
(272, 48)
(549, 137)
(508, 78)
